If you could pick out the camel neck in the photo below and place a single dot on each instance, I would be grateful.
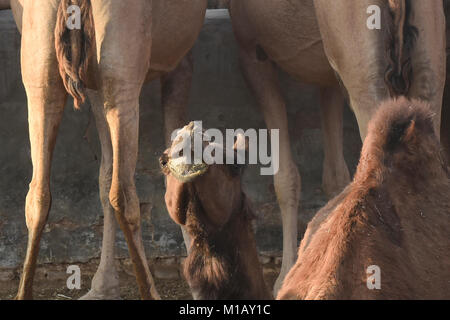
(223, 264)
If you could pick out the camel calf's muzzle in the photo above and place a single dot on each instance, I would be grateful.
(183, 166)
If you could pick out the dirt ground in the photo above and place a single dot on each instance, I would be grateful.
(50, 283)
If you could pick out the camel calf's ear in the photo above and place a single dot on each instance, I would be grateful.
(241, 151)
(163, 160)
(410, 135)
(241, 143)
(400, 133)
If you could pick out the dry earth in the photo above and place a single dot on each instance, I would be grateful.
(50, 280)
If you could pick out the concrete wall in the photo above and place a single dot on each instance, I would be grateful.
(218, 4)
(219, 97)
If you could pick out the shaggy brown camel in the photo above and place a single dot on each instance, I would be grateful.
(209, 202)
(120, 46)
(314, 41)
(394, 215)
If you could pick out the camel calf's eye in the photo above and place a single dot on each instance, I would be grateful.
(163, 160)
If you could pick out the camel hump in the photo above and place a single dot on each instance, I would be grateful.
(400, 123)
(74, 42)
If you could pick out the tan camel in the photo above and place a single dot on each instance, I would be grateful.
(445, 124)
(208, 200)
(313, 41)
(386, 235)
(120, 46)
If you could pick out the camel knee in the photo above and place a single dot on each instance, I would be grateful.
(104, 187)
(118, 87)
(288, 186)
(38, 204)
(104, 182)
(335, 176)
(116, 199)
(126, 205)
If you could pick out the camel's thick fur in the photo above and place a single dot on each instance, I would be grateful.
(395, 215)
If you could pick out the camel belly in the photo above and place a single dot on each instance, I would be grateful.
(289, 34)
(176, 25)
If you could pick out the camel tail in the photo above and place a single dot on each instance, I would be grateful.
(74, 42)
(401, 36)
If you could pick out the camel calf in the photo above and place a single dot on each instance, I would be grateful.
(209, 202)
(394, 215)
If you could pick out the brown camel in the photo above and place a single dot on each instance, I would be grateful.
(314, 41)
(209, 202)
(395, 215)
(120, 46)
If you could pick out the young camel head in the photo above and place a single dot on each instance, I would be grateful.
(209, 202)
(216, 187)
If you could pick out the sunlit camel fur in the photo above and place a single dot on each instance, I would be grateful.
(314, 41)
(394, 215)
(222, 262)
(121, 45)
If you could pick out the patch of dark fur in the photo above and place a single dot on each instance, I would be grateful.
(421, 119)
(213, 268)
(261, 55)
(385, 214)
(397, 131)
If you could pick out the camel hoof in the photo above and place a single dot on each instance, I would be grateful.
(94, 295)
(278, 284)
(23, 296)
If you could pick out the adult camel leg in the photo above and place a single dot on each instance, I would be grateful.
(263, 81)
(105, 283)
(123, 121)
(429, 56)
(17, 11)
(335, 172)
(348, 51)
(175, 89)
(46, 99)
(123, 52)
